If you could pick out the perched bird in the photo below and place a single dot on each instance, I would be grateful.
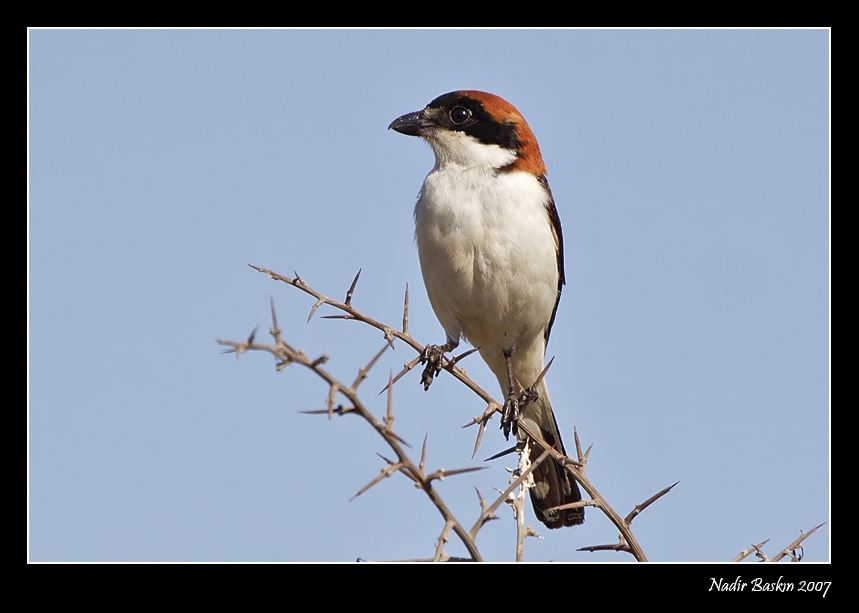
(492, 258)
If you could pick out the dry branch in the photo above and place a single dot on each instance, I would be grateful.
(285, 355)
(789, 551)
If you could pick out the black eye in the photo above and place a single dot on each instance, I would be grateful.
(459, 114)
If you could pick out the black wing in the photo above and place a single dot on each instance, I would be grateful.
(552, 212)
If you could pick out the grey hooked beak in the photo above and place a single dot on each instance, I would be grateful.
(410, 124)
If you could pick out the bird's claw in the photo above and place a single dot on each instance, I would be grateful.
(509, 416)
(433, 357)
(512, 409)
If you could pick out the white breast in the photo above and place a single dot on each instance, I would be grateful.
(488, 255)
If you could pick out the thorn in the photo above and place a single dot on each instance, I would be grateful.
(502, 453)
(483, 420)
(491, 409)
(362, 373)
(441, 473)
(575, 505)
(275, 329)
(352, 288)
(406, 368)
(453, 361)
(329, 401)
(384, 474)
(319, 302)
(640, 507)
(543, 374)
(396, 436)
(389, 415)
(578, 443)
(480, 432)
(406, 312)
(423, 455)
(338, 410)
(390, 462)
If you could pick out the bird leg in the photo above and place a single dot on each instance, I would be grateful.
(511, 405)
(515, 403)
(433, 356)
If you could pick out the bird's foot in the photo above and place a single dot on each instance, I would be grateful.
(433, 357)
(510, 415)
(513, 407)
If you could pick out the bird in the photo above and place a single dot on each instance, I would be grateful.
(491, 253)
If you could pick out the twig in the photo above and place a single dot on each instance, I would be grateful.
(630, 544)
(389, 332)
(286, 354)
(789, 551)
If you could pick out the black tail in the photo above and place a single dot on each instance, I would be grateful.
(554, 487)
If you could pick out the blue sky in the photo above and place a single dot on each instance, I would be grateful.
(691, 173)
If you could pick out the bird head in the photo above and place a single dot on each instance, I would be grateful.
(472, 128)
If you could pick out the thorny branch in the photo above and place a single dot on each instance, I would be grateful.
(285, 355)
(793, 551)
